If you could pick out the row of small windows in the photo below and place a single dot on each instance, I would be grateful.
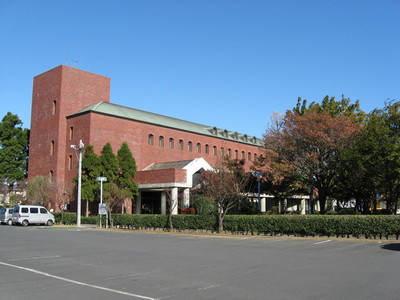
(197, 147)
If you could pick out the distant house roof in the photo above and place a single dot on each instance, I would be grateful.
(169, 122)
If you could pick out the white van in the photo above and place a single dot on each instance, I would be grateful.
(32, 214)
(6, 215)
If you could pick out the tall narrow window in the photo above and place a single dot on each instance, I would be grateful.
(52, 148)
(249, 156)
(171, 143)
(151, 139)
(255, 156)
(198, 148)
(180, 144)
(236, 154)
(207, 149)
(54, 109)
(215, 150)
(161, 141)
(51, 174)
(243, 155)
(222, 152)
(229, 152)
(70, 162)
(71, 133)
(190, 146)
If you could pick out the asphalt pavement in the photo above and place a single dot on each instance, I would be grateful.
(67, 263)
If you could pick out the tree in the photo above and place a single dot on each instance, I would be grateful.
(332, 107)
(109, 164)
(91, 169)
(225, 185)
(370, 166)
(40, 189)
(13, 149)
(308, 143)
(127, 171)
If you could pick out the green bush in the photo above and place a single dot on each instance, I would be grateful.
(366, 226)
(70, 219)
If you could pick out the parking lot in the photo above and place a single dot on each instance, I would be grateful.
(81, 263)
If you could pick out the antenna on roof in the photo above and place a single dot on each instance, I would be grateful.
(75, 63)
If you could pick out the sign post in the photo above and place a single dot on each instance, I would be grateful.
(102, 207)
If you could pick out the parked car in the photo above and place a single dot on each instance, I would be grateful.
(32, 214)
(6, 215)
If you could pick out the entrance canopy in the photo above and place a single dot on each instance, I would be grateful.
(182, 174)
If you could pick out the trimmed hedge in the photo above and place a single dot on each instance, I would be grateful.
(70, 219)
(291, 225)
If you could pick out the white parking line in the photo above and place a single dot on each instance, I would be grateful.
(76, 282)
(323, 242)
(36, 257)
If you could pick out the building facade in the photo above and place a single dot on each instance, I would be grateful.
(69, 105)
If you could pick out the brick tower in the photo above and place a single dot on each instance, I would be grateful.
(58, 93)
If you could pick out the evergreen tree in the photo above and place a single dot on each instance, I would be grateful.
(109, 164)
(91, 169)
(13, 149)
(127, 170)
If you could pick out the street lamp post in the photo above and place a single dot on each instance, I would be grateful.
(78, 204)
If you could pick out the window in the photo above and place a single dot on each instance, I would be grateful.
(171, 143)
(249, 156)
(151, 139)
(255, 156)
(54, 109)
(229, 152)
(52, 148)
(190, 146)
(24, 210)
(236, 154)
(34, 210)
(71, 133)
(215, 150)
(207, 149)
(243, 155)
(222, 152)
(161, 141)
(70, 162)
(180, 144)
(51, 174)
(43, 210)
(198, 148)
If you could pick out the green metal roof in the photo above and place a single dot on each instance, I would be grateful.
(164, 121)
(168, 165)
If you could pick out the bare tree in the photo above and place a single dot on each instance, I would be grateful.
(40, 190)
(225, 186)
(172, 205)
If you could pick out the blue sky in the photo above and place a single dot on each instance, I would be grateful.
(229, 64)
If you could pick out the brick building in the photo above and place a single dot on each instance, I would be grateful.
(69, 105)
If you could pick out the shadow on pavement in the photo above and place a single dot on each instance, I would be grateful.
(393, 247)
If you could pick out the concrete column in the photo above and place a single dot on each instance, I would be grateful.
(174, 201)
(263, 206)
(139, 203)
(303, 206)
(163, 203)
(316, 204)
(186, 198)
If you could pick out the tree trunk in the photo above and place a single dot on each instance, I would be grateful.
(87, 209)
(220, 222)
(322, 200)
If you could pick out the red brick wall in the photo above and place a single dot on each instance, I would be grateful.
(161, 176)
(71, 90)
(105, 129)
